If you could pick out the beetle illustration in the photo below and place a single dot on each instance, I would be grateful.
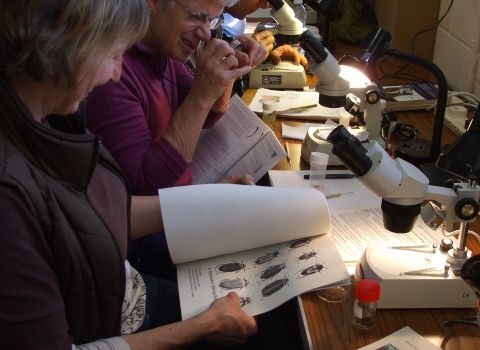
(245, 300)
(300, 243)
(236, 283)
(274, 287)
(271, 271)
(311, 270)
(306, 256)
(230, 267)
(267, 257)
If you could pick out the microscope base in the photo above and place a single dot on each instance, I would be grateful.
(286, 75)
(426, 289)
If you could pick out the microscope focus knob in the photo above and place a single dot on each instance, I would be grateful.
(372, 97)
(466, 209)
(446, 244)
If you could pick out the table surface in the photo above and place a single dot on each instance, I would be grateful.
(329, 325)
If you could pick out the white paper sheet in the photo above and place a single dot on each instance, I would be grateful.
(356, 217)
(239, 143)
(293, 99)
(403, 339)
(225, 218)
(297, 132)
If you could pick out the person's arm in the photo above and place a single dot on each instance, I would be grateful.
(223, 324)
(145, 216)
(131, 116)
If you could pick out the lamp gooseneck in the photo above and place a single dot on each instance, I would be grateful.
(436, 144)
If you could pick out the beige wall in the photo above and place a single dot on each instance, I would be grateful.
(457, 44)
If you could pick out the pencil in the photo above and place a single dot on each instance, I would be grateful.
(287, 150)
(333, 176)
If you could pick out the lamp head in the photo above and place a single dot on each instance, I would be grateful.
(365, 58)
(462, 158)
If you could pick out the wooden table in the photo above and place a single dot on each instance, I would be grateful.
(329, 325)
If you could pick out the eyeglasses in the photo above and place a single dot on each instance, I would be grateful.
(199, 16)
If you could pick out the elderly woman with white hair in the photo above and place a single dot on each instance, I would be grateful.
(150, 121)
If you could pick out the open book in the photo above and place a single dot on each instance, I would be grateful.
(239, 143)
(266, 244)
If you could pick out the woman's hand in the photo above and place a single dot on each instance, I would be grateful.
(217, 66)
(244, 179)
(232, 324)
(266, 39)
(253, 52)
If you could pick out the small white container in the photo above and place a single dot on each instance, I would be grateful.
(270, 113)
(318, 170)
(344, 118)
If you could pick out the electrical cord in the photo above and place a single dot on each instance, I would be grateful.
(452, 233)
(399, 131)
(413, 47)
(471, 99)
(427, 30)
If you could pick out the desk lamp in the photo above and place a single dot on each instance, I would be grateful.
(376, 44)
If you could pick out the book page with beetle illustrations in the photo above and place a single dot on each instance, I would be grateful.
(264, 277)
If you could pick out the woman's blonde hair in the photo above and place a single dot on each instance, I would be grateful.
(54, 40)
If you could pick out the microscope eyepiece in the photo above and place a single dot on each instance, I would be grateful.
(349, 150)
(313, 47)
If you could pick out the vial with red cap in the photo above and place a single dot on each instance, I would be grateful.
(367, 293)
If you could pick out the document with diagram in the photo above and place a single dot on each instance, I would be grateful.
(266, 244)
(239, 143)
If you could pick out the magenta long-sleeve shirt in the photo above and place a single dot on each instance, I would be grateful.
(133, 114)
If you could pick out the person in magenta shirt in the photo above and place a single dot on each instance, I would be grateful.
(151, 119)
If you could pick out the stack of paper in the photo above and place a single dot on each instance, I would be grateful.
(293, 103)
(413, 96)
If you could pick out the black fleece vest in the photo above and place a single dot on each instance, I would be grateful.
(51, 170)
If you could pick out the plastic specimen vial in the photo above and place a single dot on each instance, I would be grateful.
(318, 170)
(367, 293)
(270, 113)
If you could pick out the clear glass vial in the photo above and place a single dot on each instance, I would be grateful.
(318, 170)
(367, 293)
(270, 113)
